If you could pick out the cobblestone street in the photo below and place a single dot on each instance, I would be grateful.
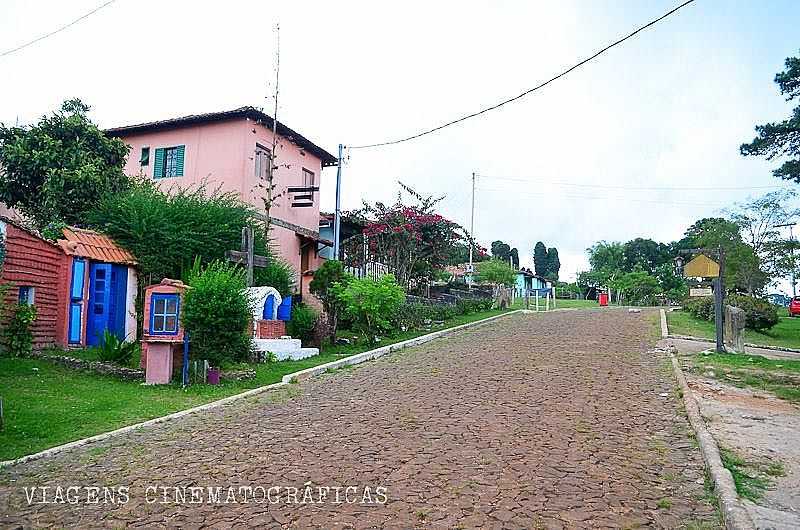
(557, 420)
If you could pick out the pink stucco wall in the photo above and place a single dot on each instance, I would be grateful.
(222, 154)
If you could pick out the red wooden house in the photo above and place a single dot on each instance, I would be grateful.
(81, 286)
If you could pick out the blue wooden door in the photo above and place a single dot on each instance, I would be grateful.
(99, 314)
(76, 301)
(118, 305)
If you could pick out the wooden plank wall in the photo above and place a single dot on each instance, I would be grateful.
(34, 262)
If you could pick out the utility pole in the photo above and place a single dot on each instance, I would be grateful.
(471, 233)
(791, 252)
(338, 213)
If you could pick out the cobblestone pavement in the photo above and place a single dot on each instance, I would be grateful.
(558, 420)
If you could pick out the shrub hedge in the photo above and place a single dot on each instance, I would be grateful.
(760, 314)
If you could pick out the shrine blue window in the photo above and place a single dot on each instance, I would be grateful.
(164, 314)
(26, 295)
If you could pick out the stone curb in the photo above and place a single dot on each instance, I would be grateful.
(734, 515)
(296, 376)
(747, 344)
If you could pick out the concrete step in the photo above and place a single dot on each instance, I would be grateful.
(285, 349)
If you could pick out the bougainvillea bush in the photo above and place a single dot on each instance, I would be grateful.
(411, 239)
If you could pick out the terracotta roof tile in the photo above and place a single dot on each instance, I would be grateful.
(95, 246)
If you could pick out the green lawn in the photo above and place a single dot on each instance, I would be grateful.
(47, 405)
(519, 303)
(786, 333)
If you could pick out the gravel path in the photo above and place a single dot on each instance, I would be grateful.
(557, 420)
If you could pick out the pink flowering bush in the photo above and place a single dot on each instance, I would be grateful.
(413, 240)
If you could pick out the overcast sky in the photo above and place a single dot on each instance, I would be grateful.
(667, 109)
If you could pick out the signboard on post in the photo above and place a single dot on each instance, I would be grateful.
(701, 291)
(701, 267)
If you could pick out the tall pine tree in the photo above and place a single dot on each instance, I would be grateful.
(540, 264)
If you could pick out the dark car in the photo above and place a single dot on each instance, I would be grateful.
(794, 307)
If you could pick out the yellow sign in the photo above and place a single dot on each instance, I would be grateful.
(701, 267)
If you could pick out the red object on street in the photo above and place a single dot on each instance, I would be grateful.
(603, 299)
(794, 307)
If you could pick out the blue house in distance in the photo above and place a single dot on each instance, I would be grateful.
(527, 281)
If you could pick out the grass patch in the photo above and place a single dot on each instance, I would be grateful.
(780, 377)
(47, 405)
(519, 303)
(749, 485)
(785, 334)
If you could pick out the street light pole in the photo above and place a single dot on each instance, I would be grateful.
(338, 213)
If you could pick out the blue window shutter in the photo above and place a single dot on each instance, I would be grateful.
(181, 151)
(158, 164)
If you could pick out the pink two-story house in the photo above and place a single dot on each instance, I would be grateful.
(231, 150)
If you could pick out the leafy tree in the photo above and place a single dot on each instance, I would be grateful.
(757, 219)
(58, 169)
(781, 139)
(496, 272)
(637, 288)
(553, 264)
(459, 253)
(327, 284)
(501, 250)
(540, 263)
(605, 256)
(646, 254)
(514, 256)
(216, 312)
(166, 231)
(743, 270)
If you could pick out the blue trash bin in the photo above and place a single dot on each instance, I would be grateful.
(285, 309)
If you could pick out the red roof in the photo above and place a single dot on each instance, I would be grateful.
(95, 246)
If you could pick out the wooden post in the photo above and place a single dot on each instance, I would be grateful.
(719, 301)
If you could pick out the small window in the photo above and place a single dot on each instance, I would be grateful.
(308, 178)
(164, 314)
(261, 161)
(144, 159)
(26, 294)
(308, 182)
(169, 162)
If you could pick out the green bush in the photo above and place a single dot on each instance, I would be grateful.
(701, 307)
(372, 305)
(496, 272)
(328, 283)
(216, 313)
(301, 325)
(113, 350)
(17, 334)
(760, 314)
(414, 314)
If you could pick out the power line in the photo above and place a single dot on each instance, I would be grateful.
(59, 30)
(540, 180)
(520, 96)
